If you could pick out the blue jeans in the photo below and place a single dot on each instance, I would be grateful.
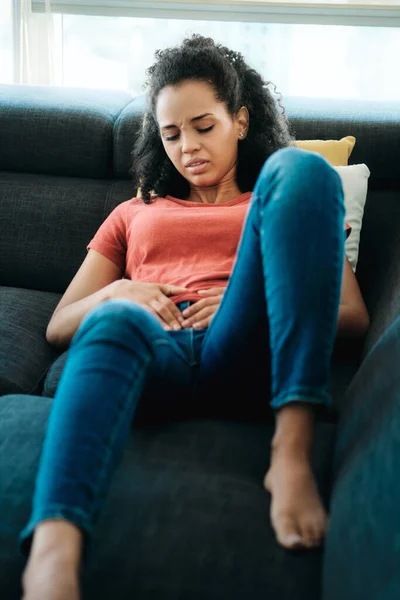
(274, 330)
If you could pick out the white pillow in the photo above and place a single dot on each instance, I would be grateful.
(355, 186)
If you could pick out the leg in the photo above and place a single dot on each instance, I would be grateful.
(117, 350)
(284, 295)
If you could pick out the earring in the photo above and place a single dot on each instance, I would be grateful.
(241, 134)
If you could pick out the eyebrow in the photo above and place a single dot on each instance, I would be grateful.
(191, 120)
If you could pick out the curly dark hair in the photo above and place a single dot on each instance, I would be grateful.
(236, 84)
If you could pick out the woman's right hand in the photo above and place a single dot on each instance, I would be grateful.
(154, 297)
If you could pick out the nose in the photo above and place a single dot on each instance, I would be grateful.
(189, 143)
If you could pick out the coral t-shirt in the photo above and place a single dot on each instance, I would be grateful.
(174, 241)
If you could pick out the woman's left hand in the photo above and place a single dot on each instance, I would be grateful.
(199, 315)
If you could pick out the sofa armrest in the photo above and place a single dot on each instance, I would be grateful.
(362, 547)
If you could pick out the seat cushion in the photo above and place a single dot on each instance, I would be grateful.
(186, 516)
(25, 354)
(54, 374)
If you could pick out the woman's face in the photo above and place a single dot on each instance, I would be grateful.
(194, 126)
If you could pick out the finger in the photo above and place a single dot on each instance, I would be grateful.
(155, 313)
(216, 291)
(200, 305)
(191, 310)
(200, 318)
(173, 313)
(164, 311)
(176, 312)
(171, 290)
(202, 324)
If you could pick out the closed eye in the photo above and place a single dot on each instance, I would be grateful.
(175, 137)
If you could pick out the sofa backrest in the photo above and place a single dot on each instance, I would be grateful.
(57, 182)
(65, 160)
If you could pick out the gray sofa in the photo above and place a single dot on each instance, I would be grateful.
(187, 516)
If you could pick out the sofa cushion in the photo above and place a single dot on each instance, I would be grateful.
(46, 224)
(25, 354)
(336, 152)
(57, 130)
(54, 375)
(186, 517)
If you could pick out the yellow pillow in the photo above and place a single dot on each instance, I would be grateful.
(337, 152)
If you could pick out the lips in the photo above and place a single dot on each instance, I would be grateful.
(196, 163)
(197, 169)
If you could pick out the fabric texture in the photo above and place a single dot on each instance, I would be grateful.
(378, 267)
(355, 186)
(364, 521)
(45, 224)
(25, 354)
(187, 515)
(58, 131)
(337, 152)
(173, 241)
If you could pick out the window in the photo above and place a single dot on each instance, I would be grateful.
(6, 42)
(113, 52)
(332, 12)
(302, 60)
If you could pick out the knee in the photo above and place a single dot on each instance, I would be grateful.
(295, 159)
(297, 171)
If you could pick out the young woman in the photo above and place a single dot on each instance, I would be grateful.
(235, 276)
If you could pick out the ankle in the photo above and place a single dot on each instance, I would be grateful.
(57, 540)
(292, 448)
(294, 430)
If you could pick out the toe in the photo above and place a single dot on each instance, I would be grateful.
(293, 541)
(310, 535)
(312, 530)
(287, 532)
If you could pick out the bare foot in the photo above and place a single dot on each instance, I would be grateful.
(50, 578)
(297, 514)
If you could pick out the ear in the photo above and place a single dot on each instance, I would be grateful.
(242, 120)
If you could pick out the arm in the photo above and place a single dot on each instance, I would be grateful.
(65, 322)
(91, 286)
(353, 318)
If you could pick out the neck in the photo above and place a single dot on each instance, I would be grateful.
(213, 196)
